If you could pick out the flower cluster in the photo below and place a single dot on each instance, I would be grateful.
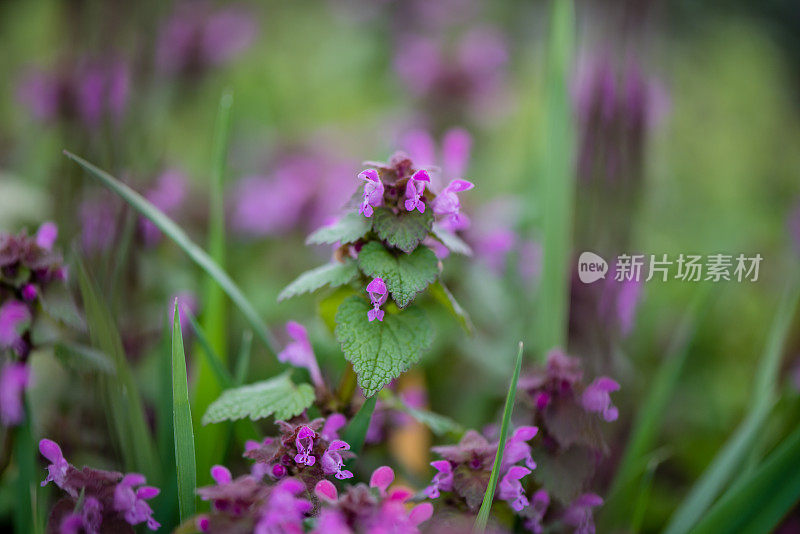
(306, 450)
(96, 500)
(28, 264)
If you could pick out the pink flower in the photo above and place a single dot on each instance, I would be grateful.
(300, 353)
(284, 512)
(541, 501)
(332, 462)
(381, 478)
(46, 235)
(517, 448)
(579, 513)
(373, 192)
(447, 204)
(14, 319)
(57, 470)
(442, 481)
(415, 188)
(133, 503)
(333, 423)
(167, 194)
(596, 398)
(221, 475)
(305, 444)
(510, 489)
(14, 378)
(377, 294)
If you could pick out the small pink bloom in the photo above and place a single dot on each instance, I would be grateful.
(14, 378)
(596, 398)
(305, 444)
(415, 188)
(442, 481)
(46, 235)
(57, 470)
(510, 489)
(221, 475)
(381, 478)
(377, 294)
(332, 463)
(300, 353)
(326, 491)
(447, 204)
(14, 319)
(373, 192)
(420, 513)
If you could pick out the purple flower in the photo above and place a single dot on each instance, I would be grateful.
(332, 462)
(381, 479)
(14, 378)
(447, 204)
(326, 491)
(415, 188)
(221, 475)
(305, 444)
(300, 353)
(14, 320)
(579, 513)
(453, 158)
(377, 294)
(46, 235)
(333, 423)
(167, 194)
(88, 520)
(518, 449)
(373, 192)
(284, 512)
(442, 481)
(133, 503)
(29, 292)
(596, 398)
(510, 489)
(541, 501)
(57, 470)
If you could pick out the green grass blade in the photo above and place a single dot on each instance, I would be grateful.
(243, 360)
(166, 504)
(212, 359)
(197, 254)
(25, 454)
(730, 457)
(486, 506)
(649, 418)
(763, 499)
(182, 424)
(356, 431)
(557, 195)
(126, 411)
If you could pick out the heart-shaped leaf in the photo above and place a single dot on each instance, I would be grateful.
(405, 230)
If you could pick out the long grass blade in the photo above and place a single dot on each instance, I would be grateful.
(182, 424)
(197, 254)
(558, 183)
(126, 411)
(729, 458)
(764, 497)
(486, 506)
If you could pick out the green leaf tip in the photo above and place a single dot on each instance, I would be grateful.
(278, 396)
(333, 275)
(380, 351)
(185, 461)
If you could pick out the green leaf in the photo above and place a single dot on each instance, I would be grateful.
(765, 496)
(356, 430)
(277, 396)
(82, 358)
(438, 424)
(125, 409)
(451, 240)
(405, 275)
(182, 424)
(380, 350)
(442, 295)
(730, 457)
(334, 274)
(197, 254)
(558, 182)
(486, 507)
(405, 230)
(350, 228)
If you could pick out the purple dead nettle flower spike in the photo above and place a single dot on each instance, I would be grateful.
(596, 398)
(14, 320)
(511, 490)
(442, 481)
(300, 353)
(579, 513)
(332, 462)
(14, 378)
(373, 192)
(133, 503)
(415, 188)
(305, 444)
(377, 294)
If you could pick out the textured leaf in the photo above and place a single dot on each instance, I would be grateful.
(348, 229)
(334, 274)
(405, 230)
(380, 350)
(451, 240)
(405, 275)
(277, 396)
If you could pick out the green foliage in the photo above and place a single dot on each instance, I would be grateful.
(334, 274)
(176, 233)
(442, 295)
(348, 229)
(451, 240)
(381, 350)
(438, 424)
(486, 506)
(82, 358)
(405, 275)
(278, 396)
(356, 430)
(404, 230)
(182, 424)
